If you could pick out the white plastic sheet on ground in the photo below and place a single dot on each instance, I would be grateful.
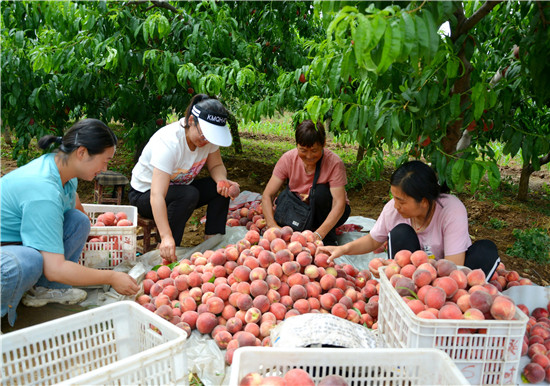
(358, 261)
(204, 358)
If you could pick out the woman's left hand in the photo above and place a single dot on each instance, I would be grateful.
(228, 188)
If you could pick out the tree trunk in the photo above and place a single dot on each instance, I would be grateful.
(526, 172)
(234, 128)
(6, 133)
(360, 154)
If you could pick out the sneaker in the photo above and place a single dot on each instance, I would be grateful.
(40, 296)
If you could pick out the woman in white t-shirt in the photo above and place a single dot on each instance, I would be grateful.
(420, 217)
(163, 185)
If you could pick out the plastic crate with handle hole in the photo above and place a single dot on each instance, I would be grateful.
(118, 243)
(378, 366)
(487, 351)
(119, 343)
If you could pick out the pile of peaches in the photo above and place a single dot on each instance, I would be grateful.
(239, 293)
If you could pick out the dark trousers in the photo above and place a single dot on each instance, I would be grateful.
(482, 254)
(323, 206)
(182, 200)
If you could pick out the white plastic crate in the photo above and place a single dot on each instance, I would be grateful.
(489, 356)
(121, 240)
(120, 343)
(357, 366)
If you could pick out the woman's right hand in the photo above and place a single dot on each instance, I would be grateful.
(167, 248)
(332, 251)
(124, 284)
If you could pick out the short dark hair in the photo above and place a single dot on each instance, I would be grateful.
(308, 133)
(206, 102)
(91, 133)
(417, 180)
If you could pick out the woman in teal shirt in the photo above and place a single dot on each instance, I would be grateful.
(44, 226)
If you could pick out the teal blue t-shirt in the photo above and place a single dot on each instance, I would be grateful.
(33, 204)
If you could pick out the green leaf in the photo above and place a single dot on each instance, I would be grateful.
(408, 31)
(455, 105)
(422, 37)
(475, 177)
(433, 35)
(493, 173)
(452, 68)
(337, 115)
(361, 35)
(457, 172)
(393, 41)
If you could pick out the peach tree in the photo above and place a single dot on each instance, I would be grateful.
(386, 74)
(139, 62)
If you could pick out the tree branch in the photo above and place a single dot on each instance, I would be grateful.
(544, 160)
(467, 24)
(165, 5)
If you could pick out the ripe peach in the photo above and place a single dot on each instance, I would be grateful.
(321, 260)
(298, 377)
(262, 303)
(374, 264)
(244, 302)
(252, 315)
(426, 315)
(298, 292)
(267, 326)
(241, 273)
(327, 300)
(463, 302)
(503, 308)
(422, 277)
(327, 282)
(294, 247)
(534, 373)
(278, 309)
(369, 290)
(243, 287)
(164, 271)
(253, 237)
(336, 292)
(403, 257)
(277, 244)
(304, 258)
(283, 256)
(447, 284)
(258, 287)
(229, 311)
(234, 325)
(311, 271)
(435, 297)
(450, 311)
(473, 314)
(419, 257)
(372, 308)
(391, 269)
(215, 305)
(339, 310)
(284, 289)
(408, 270)
(302, 305)
(476, 277)
(444, 267)
(405, 286)
(430, 268)
(290, 267)
(416, 306)
(534, 349)
(265, 258)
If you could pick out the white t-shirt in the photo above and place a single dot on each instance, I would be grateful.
(167, 150)
(447, 234)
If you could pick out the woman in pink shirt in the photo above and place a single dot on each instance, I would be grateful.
(297, 166)
(419, 216)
